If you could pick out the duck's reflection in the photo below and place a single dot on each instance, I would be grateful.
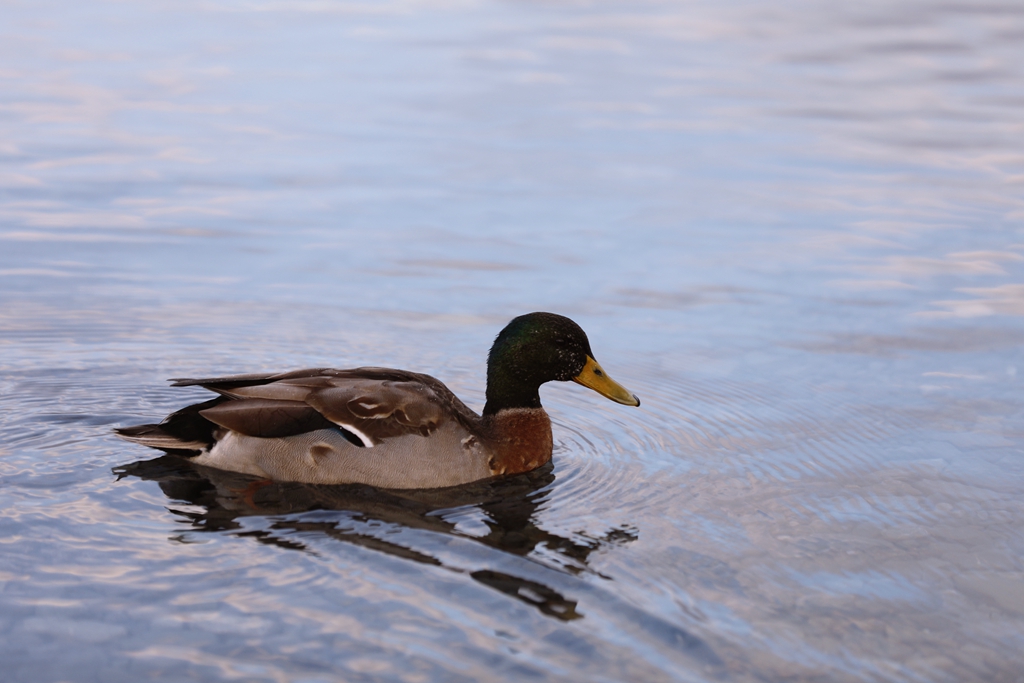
(508, 506)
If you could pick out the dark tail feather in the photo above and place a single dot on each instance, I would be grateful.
(185, 432)
(155, 436)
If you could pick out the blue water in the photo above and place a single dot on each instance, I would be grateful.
(795, 230)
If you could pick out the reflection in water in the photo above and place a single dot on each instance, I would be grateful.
(366, 516)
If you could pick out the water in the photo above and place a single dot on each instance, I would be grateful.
(793, 229)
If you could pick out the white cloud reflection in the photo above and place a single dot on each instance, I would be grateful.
(1002, 300)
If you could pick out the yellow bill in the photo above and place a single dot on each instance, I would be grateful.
(593, 377)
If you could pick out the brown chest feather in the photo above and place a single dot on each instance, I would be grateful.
(520, 440)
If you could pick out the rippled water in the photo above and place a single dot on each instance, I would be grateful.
(793, 229)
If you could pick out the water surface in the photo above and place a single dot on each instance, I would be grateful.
(793, 229)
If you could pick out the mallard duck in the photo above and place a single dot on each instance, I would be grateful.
(386, 428)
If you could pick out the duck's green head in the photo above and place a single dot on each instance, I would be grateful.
(540, 347)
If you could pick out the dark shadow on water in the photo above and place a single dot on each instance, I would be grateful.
(365, 516)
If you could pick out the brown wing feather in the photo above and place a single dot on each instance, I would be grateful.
(267, 419)
(223, 384)
(380, 409)
(379, 402)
